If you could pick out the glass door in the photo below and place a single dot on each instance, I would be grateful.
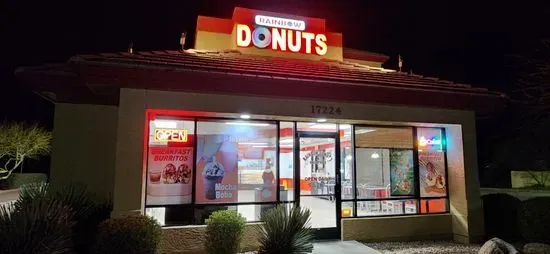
(318, 163)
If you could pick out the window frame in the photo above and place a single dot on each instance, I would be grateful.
(193, 205)
(416, 167)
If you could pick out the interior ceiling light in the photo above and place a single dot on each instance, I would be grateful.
(322, 120)
(165, 124)
(247, 124)
(245, 116)
(252, 143)
(325, 126)
(375, 155)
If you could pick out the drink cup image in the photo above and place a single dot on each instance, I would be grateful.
(213, 173)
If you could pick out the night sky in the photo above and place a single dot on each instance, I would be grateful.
(463, 41)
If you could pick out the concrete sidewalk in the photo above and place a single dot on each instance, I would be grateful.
(342, 247)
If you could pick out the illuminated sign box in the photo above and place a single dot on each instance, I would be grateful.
(170, 135)
(281, 34)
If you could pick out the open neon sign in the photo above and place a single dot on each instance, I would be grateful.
(170, 135)
(432, 141)
(281, 34)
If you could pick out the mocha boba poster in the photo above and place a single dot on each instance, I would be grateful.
(217, 176)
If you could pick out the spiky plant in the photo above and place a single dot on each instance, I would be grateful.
(86, 211)
(38, 227)
(286, 231)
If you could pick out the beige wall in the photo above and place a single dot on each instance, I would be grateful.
(402, 228)
(191, 239)
(464, 195)
(84, 146)
(212, 41)
(460, 126)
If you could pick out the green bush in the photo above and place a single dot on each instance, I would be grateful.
(534, 220)
(17, 180)
(87, 212)
(130, 234)
(38, 227)
(224, 231)
(286, 231)
(501, 217)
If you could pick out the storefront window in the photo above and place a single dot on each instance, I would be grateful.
(286, 161)
(236, 162)
(386, 207)
(346, 161)
(317, 127)
(431, 160)
(198, 166)
(170, 161)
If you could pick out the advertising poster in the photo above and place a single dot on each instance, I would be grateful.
(170, 175)
(217, 165)
(432, 174)
(401, 172)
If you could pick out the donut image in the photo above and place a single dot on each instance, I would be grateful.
(184, 174)
(261, 37)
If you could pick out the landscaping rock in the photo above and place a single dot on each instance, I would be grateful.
(497, 246)
(536, 248)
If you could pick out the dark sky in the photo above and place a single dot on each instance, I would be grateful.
(464, 41)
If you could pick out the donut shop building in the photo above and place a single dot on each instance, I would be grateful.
(265, 109)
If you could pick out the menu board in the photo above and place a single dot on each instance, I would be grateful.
(432, 174)
(169, 175)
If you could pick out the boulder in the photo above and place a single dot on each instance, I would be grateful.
(497, 246)
(536, 248)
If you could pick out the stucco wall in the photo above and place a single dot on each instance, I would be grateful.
(84, 146)
(465, 201)
(460, 127)
(403, 228)
(191, 239)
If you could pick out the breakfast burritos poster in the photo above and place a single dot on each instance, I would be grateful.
(170, 175)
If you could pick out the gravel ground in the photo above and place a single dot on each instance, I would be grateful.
(439, 247)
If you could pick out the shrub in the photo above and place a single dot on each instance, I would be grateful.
(534, 219)
(17, 180)
(501, 217)
(38, 227)
(86, 211)
(224, 231)
(286, 232)
(130, 234)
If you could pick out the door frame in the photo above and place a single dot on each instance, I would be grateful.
(321, 233)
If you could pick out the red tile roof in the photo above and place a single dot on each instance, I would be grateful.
(342, 74)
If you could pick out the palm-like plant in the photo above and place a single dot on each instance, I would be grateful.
(86, 212)
(39, 227)
(286, 231)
